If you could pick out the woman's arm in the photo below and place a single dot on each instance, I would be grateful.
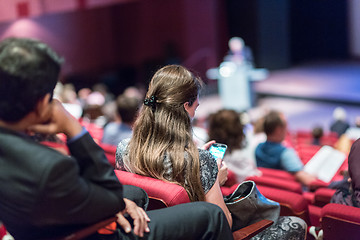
(215, 196)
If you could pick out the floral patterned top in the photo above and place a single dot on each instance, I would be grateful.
(208, 166)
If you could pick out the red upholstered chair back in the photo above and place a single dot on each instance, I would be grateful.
(323, 196)
(2, 230)
(161, 194)
(164, 194)
(110, 151)
(278, 183)
(340, 222)
(61, 147)
(277, 173)
(95, 131)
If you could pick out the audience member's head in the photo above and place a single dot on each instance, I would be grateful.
(171, 101)
(317, 133)
(275, 126)
(225, 127)
(68, 94)
(175, 90)
(29, 70)
(127, 108)
(93, 106)
(339, 114)
(134, 92)
(339, 123)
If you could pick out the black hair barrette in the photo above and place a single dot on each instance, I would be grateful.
(150, 102)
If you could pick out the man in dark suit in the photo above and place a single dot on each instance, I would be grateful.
(45, 194)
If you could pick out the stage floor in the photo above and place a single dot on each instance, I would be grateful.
(337, 82)
(307, 94)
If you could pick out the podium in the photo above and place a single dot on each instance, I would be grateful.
(234, 84)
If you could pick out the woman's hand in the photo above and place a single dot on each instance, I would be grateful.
(208, 144)
(223, 172)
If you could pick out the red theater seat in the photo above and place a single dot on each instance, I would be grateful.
(323, 196)
(110, 151)
(61, 147)
(314, 215)
(164, 194)
(95, 131)
(2, 230)
(277, 183)
(340, 222)
(277, 173)
(161, 194)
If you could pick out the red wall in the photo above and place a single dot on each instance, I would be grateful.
(129, 34)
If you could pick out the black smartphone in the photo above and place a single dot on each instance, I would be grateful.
(218, 150)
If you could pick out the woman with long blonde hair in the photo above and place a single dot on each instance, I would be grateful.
(162, 146)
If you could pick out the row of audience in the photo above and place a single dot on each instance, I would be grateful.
(245, 151)
(83, 189)
(56, 194)
(45, 194)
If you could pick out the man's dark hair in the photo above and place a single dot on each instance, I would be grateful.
(29, 69)
(271, 121)
(127, 108)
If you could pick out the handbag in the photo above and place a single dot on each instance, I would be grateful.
(247, 206)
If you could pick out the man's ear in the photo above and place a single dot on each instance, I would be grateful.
(42, 105)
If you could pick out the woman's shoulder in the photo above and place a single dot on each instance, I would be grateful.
(122, 146)
(205, 154)
(207, 158)
(121, 153)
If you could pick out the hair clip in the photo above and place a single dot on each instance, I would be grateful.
(150, 102)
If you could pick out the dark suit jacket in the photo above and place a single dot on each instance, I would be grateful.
(44, 193)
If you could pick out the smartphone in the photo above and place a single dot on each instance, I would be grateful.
(218, 150)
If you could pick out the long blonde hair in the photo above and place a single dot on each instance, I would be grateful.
(163, 128)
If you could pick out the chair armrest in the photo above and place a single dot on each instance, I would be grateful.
(87, 231)
(323, 196)
(251, 230)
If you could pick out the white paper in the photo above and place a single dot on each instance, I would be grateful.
(325, 163)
